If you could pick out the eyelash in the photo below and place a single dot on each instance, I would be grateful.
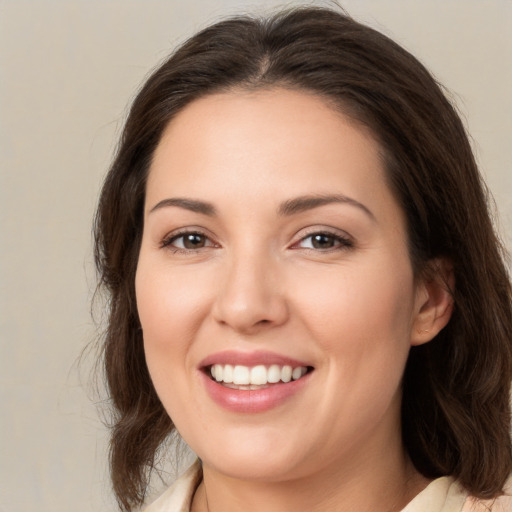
(343, 242)
(168, 241)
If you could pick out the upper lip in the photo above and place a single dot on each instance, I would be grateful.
(263, 357)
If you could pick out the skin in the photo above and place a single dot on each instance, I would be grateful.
(351, 309)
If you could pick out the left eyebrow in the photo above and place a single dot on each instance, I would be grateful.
(303, 203)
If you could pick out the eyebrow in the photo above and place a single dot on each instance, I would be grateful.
(192, 205)
(304, 203)
(287, 208)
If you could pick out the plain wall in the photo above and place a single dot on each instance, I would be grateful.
(68, 69)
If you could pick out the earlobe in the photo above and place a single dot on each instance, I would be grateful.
(434, 302)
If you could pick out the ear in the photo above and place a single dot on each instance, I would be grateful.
(434, 301)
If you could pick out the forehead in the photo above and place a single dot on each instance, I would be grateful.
(279, 140)
(239, 115)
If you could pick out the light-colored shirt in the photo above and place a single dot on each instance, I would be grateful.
(441, 495)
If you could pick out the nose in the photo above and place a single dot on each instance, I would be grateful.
(251, 295)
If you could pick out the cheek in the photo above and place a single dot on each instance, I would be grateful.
(166, 306)
(350, 303)
(171, 305)
(170, 302)
(361, 321)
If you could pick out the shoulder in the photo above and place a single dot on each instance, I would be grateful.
(502, 503)
(446, 494)
(178, 497)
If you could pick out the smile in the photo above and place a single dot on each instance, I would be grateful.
(256, 377)
(253, 382)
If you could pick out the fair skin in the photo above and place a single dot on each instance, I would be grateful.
(242, 264)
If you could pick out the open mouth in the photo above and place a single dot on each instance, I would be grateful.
(255, 377)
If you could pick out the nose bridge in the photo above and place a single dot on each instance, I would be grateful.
(249, 295)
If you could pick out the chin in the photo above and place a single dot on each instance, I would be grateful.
(259, 457)
(255, 468)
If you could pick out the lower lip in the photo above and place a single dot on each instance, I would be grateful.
(253, 400)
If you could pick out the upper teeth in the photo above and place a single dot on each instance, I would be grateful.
(256, 375)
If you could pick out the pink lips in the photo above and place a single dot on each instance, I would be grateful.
(255, 400)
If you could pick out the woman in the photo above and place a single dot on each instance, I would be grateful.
(304, 280)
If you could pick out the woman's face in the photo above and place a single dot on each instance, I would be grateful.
(272, 245)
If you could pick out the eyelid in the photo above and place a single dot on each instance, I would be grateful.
(346, 240)
(168, 239)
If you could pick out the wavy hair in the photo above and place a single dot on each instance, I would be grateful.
(455, 412)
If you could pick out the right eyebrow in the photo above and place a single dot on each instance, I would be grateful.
(188, 204)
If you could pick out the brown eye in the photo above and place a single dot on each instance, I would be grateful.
(323, 241)
(189, 241)
(193, 241)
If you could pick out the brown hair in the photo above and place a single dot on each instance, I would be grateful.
(455, 416)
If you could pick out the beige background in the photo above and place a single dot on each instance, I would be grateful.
(67, 71)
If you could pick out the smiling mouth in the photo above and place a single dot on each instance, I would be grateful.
(255, 377)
